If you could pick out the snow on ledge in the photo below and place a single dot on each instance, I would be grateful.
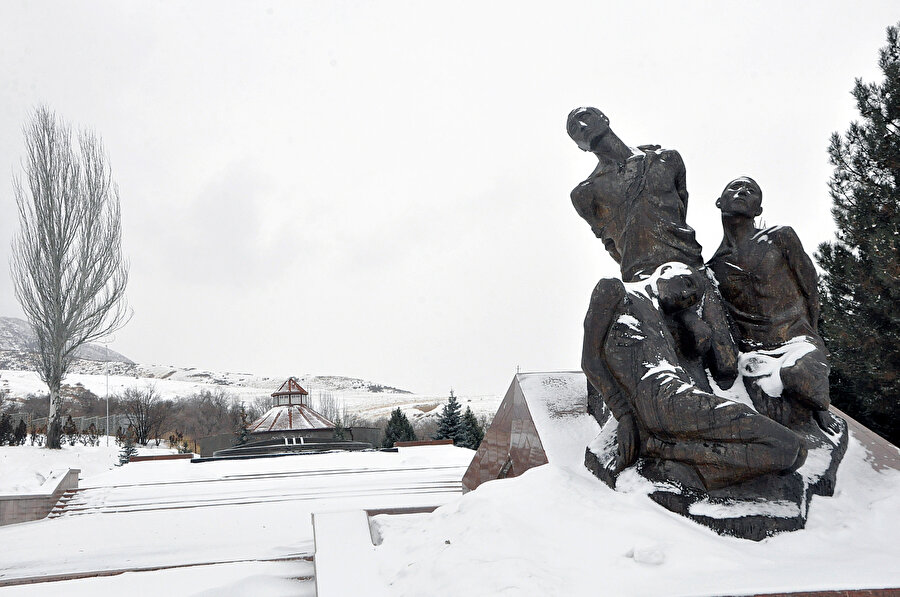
(557, 530)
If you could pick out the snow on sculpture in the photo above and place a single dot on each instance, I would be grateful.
(660, 352)
(768, 284)
(635, 201)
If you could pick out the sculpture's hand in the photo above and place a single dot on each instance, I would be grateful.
(827, 422)
(628, 443)
(724, 376)
(700, 331)
(817, 402)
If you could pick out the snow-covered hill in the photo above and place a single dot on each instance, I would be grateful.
(16, 335)
(175, 377)
(366, 399)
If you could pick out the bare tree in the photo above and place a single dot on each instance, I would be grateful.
(66, 263)
(257, 407)
(326, 405)
(145, 412)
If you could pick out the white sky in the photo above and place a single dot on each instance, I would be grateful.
(381, 189)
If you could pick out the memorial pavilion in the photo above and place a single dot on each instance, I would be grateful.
(292, 425)
(291, 416)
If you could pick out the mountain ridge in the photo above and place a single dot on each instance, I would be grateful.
(17, 353)
(17, 335)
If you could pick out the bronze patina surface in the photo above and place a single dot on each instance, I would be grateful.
(664, 344)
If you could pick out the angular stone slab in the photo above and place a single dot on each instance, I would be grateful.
(543, 418)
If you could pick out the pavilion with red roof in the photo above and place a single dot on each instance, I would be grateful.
(290, 412)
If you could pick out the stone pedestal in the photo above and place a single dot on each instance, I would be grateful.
(755, 509)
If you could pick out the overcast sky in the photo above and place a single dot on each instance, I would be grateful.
(381, 189)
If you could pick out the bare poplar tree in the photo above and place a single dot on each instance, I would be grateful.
(66, 264)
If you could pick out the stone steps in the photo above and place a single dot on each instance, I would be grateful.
(62, 503)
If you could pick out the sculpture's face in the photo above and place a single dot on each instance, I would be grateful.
(602, 217)
(742, 197)
(679, 292)
(586, 126)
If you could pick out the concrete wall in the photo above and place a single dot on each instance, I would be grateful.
(18, 508)
(371, 435)
(207, 445)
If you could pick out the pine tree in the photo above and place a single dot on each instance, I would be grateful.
(398, 429)
(19, 433)
(128, 451)
(244, 431)
(449, 422)
(340, 432)
(861, 285)
(6, 430)
(471, 433)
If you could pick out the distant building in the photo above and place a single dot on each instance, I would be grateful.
(291, 416)
(291, 425)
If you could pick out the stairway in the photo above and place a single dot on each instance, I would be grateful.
(62, 503)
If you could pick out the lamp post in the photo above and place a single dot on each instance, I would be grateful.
(106, 367)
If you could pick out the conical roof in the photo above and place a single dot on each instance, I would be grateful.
(289, 417)
(291, 414)
(291, 387)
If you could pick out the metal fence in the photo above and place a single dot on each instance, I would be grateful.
(82, 424)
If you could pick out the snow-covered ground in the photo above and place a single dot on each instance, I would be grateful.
(236, 579)
(560, 531)
(236, 527)
(24, 468)
(243, 527)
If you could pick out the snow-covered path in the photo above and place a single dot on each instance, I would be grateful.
(173, 514)
(419, 484)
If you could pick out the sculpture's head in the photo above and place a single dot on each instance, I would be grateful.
(678, 287)
(741, 197)
(586, 126)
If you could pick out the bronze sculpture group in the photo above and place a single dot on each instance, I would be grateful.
(663, 345)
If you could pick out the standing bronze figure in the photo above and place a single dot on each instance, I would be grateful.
(768, 284)
(635, 201)
(732, 457)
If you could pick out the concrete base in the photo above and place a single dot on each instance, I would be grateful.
(17, 508)
(345, 556)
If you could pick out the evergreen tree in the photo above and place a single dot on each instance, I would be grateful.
(340, 432)
(6, 430)
(449, 421)
(471, 433)
(244, 431)
(128, 451)
(861, 285)
(398, 429)
(19, 433)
